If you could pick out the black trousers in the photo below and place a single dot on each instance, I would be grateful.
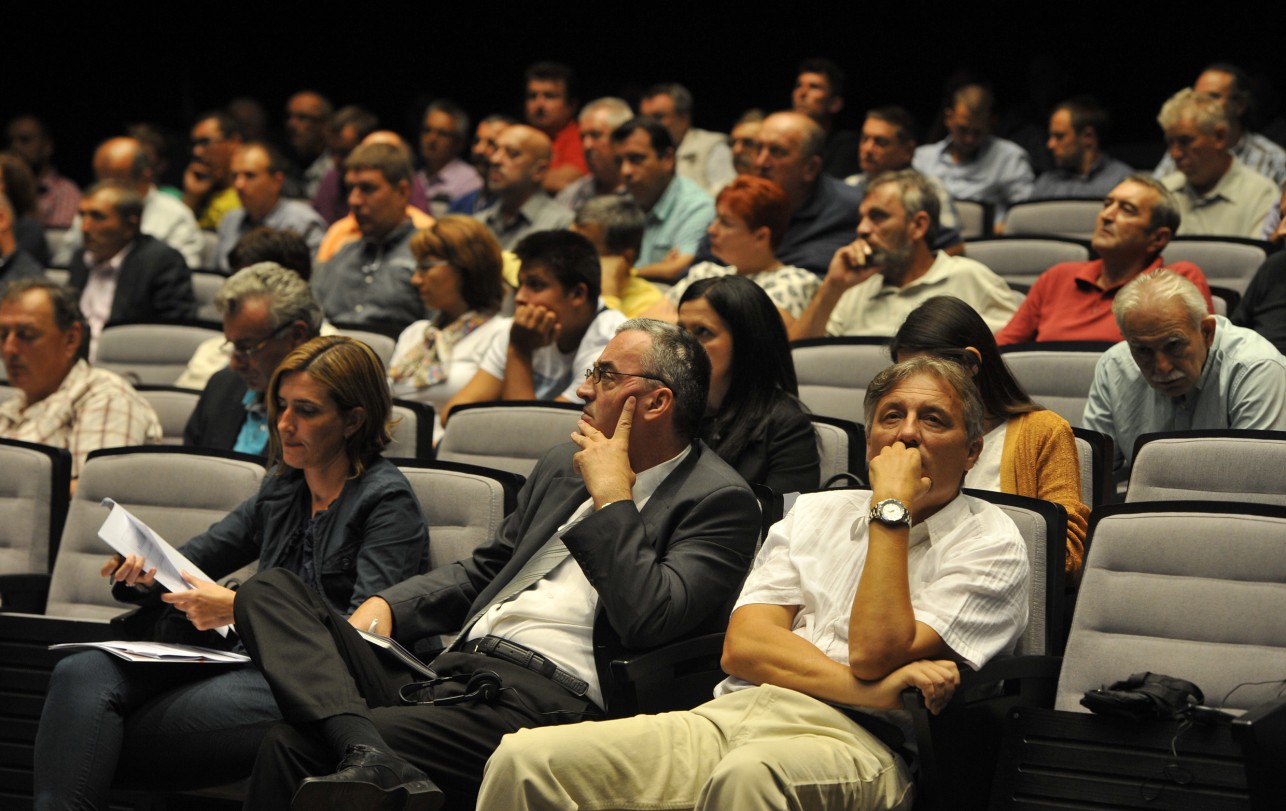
(318, 666)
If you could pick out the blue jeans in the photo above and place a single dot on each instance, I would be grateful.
(161, 726)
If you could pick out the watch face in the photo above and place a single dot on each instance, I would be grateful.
(890, 511)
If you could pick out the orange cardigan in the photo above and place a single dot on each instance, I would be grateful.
(1040, 461)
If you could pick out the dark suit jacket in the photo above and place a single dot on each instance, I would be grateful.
(155, 283)
(664, 574)
(216, 421)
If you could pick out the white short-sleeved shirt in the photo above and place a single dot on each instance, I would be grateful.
(556, 373)
(967, 568)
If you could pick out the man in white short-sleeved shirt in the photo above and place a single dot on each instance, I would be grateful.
(854, 597)
(558, 329)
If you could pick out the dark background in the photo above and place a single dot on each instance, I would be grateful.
(165, 63)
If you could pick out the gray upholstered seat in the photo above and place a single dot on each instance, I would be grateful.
(463, 506)
(382, 345)
(1227, 263)
(33, 504)
(173, 407)
(1060, 218)
(1230, 465)
(977, 219)
(413, 432)
(508, 436)
(178, 492)
(1019, 260)
(1056, 375)
(150, 354)
(205, 286)
(833, 373)
(841, 445)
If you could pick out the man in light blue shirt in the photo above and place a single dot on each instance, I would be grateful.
(1181, 369)
(258, 174)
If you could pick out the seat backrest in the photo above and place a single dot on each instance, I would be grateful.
(173, 407)
(508, 436)
(1043, 525)
(34, 481)
(1057, 375)
(382, 345)
(462, 505)
(179, 492)
(1225, 262)
(841, 445)
(413, 432)
(1189, 589)
(205, 286)
(150, 354)
(976, 219)
(1021, 260)
(1060, 218)
(1094, 452)
(1227, 465)
(833, 373)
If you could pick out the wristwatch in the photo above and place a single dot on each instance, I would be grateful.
(891, 512)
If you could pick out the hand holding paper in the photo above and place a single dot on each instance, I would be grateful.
(207, 605)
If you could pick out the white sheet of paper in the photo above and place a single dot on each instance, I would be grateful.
(130, 536)
(160, 652)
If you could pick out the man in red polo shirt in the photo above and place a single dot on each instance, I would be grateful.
(551, 108)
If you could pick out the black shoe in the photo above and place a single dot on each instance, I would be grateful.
(368, 778)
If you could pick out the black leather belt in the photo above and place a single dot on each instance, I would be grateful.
(498, 648)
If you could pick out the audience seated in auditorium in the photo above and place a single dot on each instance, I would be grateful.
(480, 152)
(520, 205)
(754, 419)
(331, 511)
(744, 140)
(207, 181)
(457, 271)
(349, 128)
(614, 224)
(1077, 129)
(699, 155)
(1218, 195)
(598, 120)
(444, 134)
(126, 160)
(18, 184)
(62, 401)
(1230, 85)
(1072, 301)
(56, 196)
(677, 209)
(819, 94)
(874, 282)
(121, 273)
(888, 144)
(824, 210)
(559, 325)
(15, 263)
(854, 597)
(267, 311)
(752, 218)
(551, 102)
(634, 537)
(258, 174)
(369, 281)
(1180, 368)
(971, 162)
(308, 117)
(1028, 450)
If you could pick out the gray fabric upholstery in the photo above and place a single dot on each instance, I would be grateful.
(205, 286)
(150, 354)
(26, 499)
(177, 494)
(1210, 467)
(833, 375)
(173, 407)
(975, 219)
(1225, 264)
(1062, 218)
(1057, 379)
(382, 345)
(413, 432)
(510, 437)
(840, 448)
(1020, 260)
(461, 509)
(1195, 595)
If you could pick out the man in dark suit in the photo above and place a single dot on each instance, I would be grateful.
(121, 273)
(648, 534)
(268, 310)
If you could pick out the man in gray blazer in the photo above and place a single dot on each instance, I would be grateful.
(636, 536)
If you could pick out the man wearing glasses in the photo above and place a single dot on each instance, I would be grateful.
(634, 537)
(267, 312)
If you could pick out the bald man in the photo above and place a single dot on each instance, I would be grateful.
(825, 209)
(164, 217)
(521, 206)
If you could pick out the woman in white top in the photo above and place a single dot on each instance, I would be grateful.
(457, 270)
(751, 217)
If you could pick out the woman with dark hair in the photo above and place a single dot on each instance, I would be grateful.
(754, 420)
(19, 185)
(331, 510)
(1027, 450)
(458, 264)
